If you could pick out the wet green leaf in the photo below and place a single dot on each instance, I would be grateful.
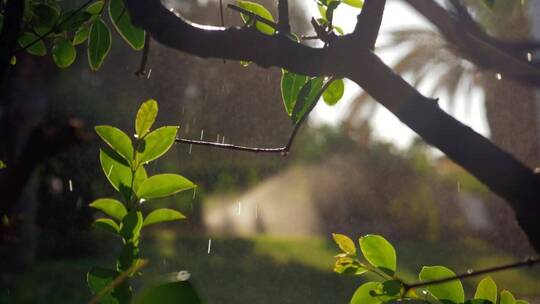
(259, 10)
(291, 84)
(99, 44)
(307, 98)
(162, 215)
(145, 117)
(71, 20)
(163, 185)
(117, 171)
(100, 278)
(334, 92)
(156, 143)
(63, 53)
(81, 35)
(131, 225)
(487, 290)
(121, 20)
(117, 140)
(170, 293)
(363, 295)
(26, 41)
(451, 292)
(96, 7)
(107, 225)
(507, 297)
(379, 253)
(45, 18)
(354, 3)
(345, 243)
(111, 207)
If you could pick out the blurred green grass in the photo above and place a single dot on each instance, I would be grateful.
(261, 269)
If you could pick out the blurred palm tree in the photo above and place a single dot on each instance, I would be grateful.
(430, 59)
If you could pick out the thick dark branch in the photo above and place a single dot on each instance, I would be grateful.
(369, 22)
(142, 71)
(530, 262)
(497, 169)
(8, 38)
(284, 25)
(474, 44)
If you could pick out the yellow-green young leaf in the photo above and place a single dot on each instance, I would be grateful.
(131, 225)
(354, 3)
(13, 60)
(63, 53)
(117, 140)
(162, 215)
(334, 92)
(169, 293)
(363, 295)
(156, 143)
(107, 225)
(96, 7)
(99, 279)
(486, 290)
(121, 20)
(163, 185)
(117, 171)
(27, 41)
(258, 10)
(379, 253)
(507, 297)
(2, 165)
(145, 117)
(446, 292)
(111, 207)
(322, 11)
(291, 84)
(345, 243)
(99, 43)
(81, 35)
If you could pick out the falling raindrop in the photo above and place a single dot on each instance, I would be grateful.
(529, 57)
(149, 73)
(458, 187)
(110, 171)
(202, 134)
(79, 202)
(499, 76)
(256, 211)
(70, 183)
(194, 192)
(537, 170)
(223, 140)
(239, 208)
(209, 245)
(164, 261)
(217, 140)
(190, 147)
(424, 292)
(469, 271)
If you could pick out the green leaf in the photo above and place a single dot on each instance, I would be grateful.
(507, 297)
(363, 295)
(258, 10)
(117, 140)
(71, 20)
(291, 84)
(163, 185)
(45, 18)
(81, 35)
(334, 92)
(37, 49)
(96, 7)
(2, 165)
(128, 255)
(156, 143)
(140, 177)
(99, 43)
(121, 20)
(487, 290)
(307, 98)
(117, 171)
(379, 253)
(347, 265)
(101, 278)
(354, 3)
(131, 225)
(111, 207)
(162, 215)
(145, 117)
(107, 225)
(521, 302)
(345, 243)
(169, 293)
(451, 292)
(63, 53)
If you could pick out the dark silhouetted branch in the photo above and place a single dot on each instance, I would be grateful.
(284, 25)
(369, 22)
(530, 262)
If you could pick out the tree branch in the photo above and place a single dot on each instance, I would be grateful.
(369, 22)
(530, 262)
(497, 169)
(284, 25)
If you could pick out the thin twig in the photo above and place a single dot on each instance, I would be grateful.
(142, 72)
(55, 27)
(284, 151)
(530, 262)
